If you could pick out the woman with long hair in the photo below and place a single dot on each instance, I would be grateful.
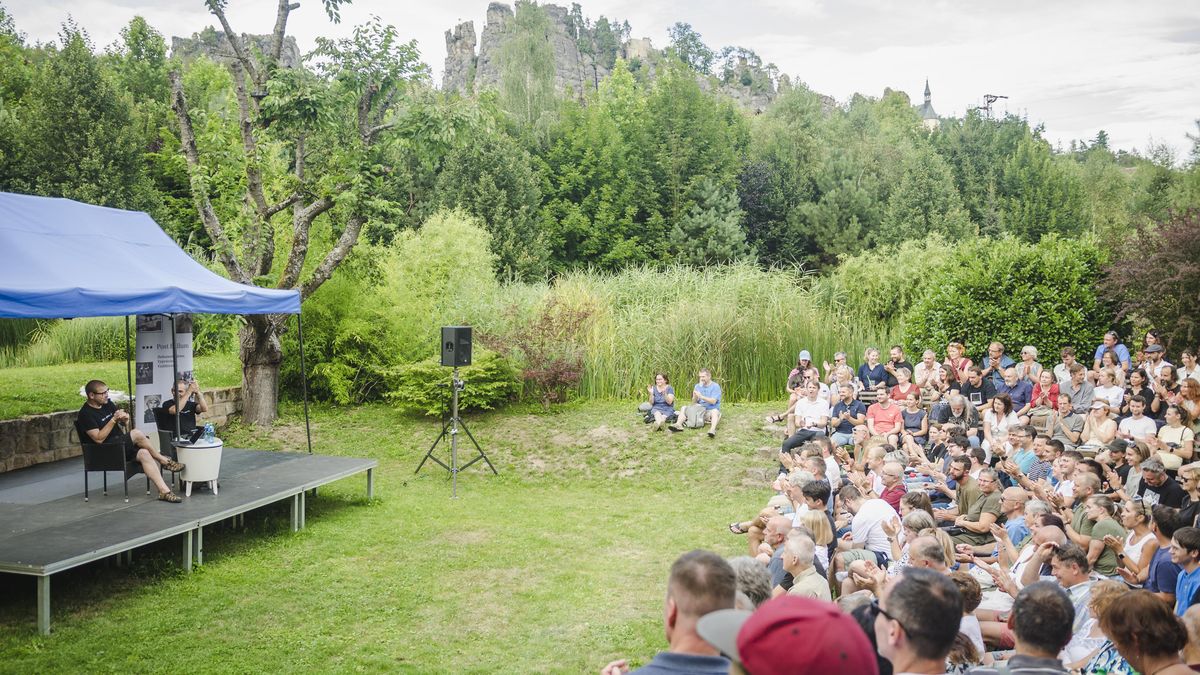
(1139, 385)
(818, 523)
(1146, 632)
(1176, 436)
(872, 374)
(1135, 552)
(662, 401)
(916, 420)
(1188, 368)
(996, 423)
(1189, 400)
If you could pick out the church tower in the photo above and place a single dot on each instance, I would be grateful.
(928, 117)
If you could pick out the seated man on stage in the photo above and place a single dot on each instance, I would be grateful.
(193, 403)
(99, 418)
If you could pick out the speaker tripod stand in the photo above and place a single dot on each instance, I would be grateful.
(450, 428)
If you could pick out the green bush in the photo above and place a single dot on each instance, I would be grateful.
(1017, 293)
(491, 381)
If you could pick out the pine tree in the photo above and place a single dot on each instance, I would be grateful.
(924, 201)
(711, 232)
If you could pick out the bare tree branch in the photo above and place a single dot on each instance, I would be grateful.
(260, 241)
(291, 199)
(199, 188)
(277, 35)
(335, 256)
(235, 40)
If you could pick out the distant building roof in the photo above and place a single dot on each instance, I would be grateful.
(926, 109)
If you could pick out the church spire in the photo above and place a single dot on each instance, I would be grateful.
(928, 97)
(928, 117)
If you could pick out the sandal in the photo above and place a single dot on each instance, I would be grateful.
(170, 497)
(774, 419)
(736, 528)
(173, 466)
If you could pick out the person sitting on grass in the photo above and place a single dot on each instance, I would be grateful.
(706, 394)
(662, 401)
(100, 419)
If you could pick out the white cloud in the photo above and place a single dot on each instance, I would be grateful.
(1076, 65)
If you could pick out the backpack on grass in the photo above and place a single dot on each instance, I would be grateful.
(693, 416)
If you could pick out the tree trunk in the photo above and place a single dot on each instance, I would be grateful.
(261, 356)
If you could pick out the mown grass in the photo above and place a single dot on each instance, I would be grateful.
(34, 391)
(556, 565)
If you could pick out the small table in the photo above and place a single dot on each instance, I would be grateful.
(201, 463)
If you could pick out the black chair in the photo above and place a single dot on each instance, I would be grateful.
(105, 457)
(167, 438)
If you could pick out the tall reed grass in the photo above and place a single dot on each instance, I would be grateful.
(744, 323)
(73, 341)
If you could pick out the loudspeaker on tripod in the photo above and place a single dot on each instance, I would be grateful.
(456, 346)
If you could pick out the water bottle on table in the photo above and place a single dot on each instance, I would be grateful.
(210, 434)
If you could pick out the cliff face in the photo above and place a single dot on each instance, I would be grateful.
(472, 65)
(468, 73)
(213, 44)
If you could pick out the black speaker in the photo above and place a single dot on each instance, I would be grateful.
(456, 345)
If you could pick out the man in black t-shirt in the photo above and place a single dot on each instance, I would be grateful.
(193, 404)
(1159, 488)
(895, 363)
(100, 419)
(977, 389)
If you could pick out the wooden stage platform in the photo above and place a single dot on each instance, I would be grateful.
(46, 527)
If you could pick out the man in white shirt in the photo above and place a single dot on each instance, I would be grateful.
(866, 526)
(1137, 427)
(1062, 372)
(811, 416)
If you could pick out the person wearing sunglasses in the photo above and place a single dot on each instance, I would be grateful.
(916, 620)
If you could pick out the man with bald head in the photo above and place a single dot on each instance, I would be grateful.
(774, 537)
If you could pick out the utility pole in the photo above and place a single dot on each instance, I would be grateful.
(988, 100)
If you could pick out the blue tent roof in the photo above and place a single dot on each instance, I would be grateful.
(61, 258)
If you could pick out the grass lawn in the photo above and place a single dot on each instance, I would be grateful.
(34, 391)
(556, 565)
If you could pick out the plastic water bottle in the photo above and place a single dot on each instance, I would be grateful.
(210, 434)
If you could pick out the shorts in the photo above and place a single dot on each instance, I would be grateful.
(131, 450)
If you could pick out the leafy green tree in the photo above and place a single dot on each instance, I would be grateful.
(315, 147)
(692, 135)
(976, 149)
(600, 199)
(687, 45)
(1155, 181)
(1042, 294)
(1108, 193)
(492, 179)
(711, 232)
(1038, 195)
(526, 63)
(76, 133)
(925, 201)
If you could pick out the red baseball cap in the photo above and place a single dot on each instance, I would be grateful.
(791, 634)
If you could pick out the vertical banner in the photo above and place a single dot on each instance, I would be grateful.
(155, 370)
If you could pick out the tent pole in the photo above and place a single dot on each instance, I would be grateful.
(304, 380)
(175, 376)
(129, 376)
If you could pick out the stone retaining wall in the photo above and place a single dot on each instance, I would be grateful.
(48, 438)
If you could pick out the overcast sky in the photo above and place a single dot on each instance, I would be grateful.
(1077, 66)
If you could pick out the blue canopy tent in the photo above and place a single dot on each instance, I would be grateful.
(61, 258)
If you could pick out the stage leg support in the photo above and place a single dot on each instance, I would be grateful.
(187, 552)
(43, 605)
(370, 483)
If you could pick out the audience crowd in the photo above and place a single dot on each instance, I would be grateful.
(958, 516)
